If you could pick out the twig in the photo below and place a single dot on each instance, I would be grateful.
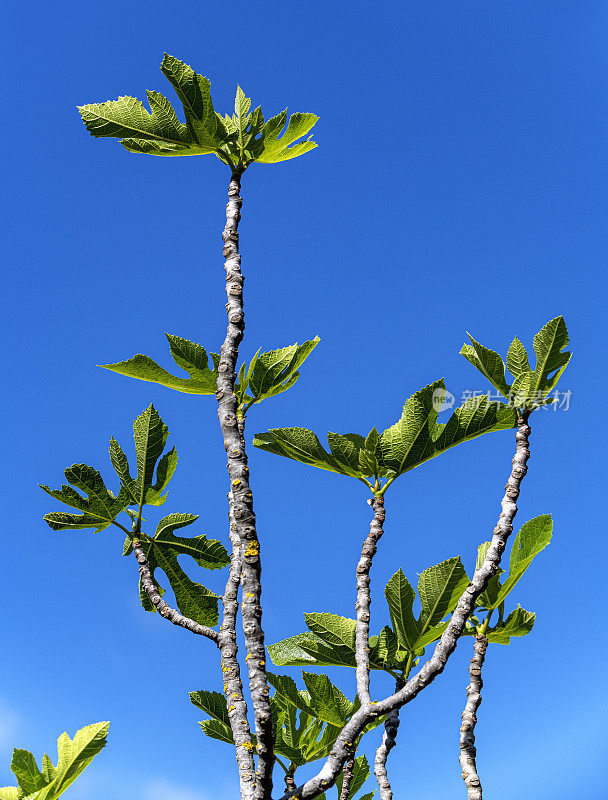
(151, 589)
(241, 497)
(468, 751)
(363, 601)
(347, 778)
(391, 726)
(326, 777)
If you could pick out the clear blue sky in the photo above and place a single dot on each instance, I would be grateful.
(459, 184)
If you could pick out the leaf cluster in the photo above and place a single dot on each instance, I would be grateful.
(532, 538)
(530, 387)
(267, 374)
(307, 722)
(415, 438)
(101, 507)
(73, 756)
(238, 139)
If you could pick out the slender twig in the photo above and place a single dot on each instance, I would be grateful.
(389, 737)
(446, 645)
(241, 497)
(468, 751)
(151, 589)
(347, 778)
(364, 601)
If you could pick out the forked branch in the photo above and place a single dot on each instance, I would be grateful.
(151, 589)
(446, 645)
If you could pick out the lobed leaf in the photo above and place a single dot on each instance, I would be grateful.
(193, 599)
(99, 508)
(73, 756)
(190, 356)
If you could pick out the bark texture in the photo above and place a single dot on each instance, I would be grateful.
(151, 589)
(446, 645)
(468, 751)
(391, 726)
(364, 600)
(241, 497)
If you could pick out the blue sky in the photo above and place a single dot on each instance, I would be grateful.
(459, 184)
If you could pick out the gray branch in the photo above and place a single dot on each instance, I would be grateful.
(326, 777)
(347, 778)
(468, 751)
(364, 601)
(241, 497)
(151, 589)
(391, 726)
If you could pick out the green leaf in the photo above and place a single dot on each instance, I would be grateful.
(519, 623)
(193, 599)
(326, 700)
(385, 649)
(533, 537)
(212, 703)
(549, 343)
(517, 359)
(440, 588)
(74, 755)
(299, 444)
(127, 118)
(150, 434)
(275, 149)
(100, 508)
(286, 689)
(400, 598)
(25, 769)
(489, 363)
(217, 730)
(190, 356)
(274, 372)
(194, 93)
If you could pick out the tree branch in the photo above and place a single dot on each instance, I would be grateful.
(347, 777)
(364, 601)
(446, 645)
(468, 751)
(241, 497)
(151, 589)
(391, 726)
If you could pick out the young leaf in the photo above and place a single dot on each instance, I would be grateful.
(273, 372)
(190, 356)
(99, 509)
(276, 149)
(549, 343)
(150, 434)
(400, 598)
(517, 359)
(489, 363)
(74, 755)
(519, 623)
(193, 599)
